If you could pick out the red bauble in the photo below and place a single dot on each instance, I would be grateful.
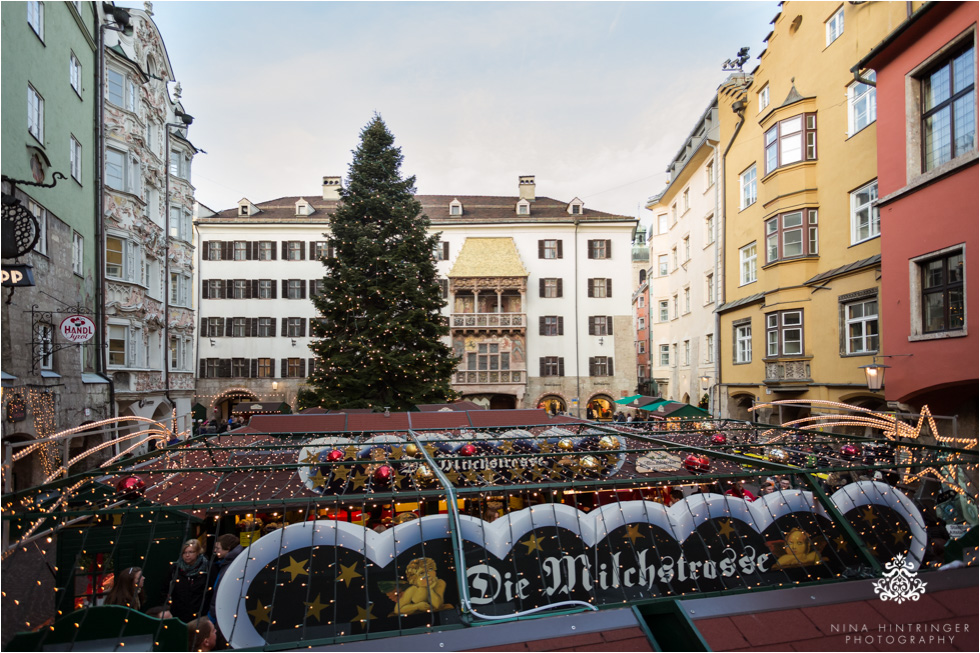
(850, 451)
(335, 456)
(383, 474)
(719, 438)
(132, 487)
(697, 464)
(468, 449)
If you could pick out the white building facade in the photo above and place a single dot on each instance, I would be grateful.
(538, 298)
(683, 276)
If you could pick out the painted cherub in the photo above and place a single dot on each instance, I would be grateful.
(426, 590)
(799, 551)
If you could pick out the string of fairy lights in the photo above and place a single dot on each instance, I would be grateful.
(247, 482)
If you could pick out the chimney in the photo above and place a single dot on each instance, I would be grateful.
(331, 188)
(525, 187)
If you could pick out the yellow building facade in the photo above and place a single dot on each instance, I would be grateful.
(802, 256)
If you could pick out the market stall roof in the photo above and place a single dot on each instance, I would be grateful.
(247, 407)
(655, 405)
(626, 400)
(639, 401)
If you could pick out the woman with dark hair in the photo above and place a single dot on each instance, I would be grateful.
(189, 582)
(201, 635)
(127, 589)
(226, 548)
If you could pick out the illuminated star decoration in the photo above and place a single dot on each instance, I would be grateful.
(296, 569)
(364, 614)
(868, 515)
(841, 543)
(348, 573)
(633, 532)
(314, 608)
(726, 530)
(260, 613)
(534, 543)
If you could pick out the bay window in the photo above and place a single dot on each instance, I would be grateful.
(790, 141)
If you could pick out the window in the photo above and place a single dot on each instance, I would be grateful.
(600, 325)
(293, 368)
(552, 366)
(240, 289)
(600, 366)
(709, 348)
(687, 352)
(316, 287)
(180, 225)
(663, 311)
(35, 17)
(687, 301)
(212, 368)
(213, 250)
(35, 114)
(599, 249)
(523, 208)
(640, 301)
(709, 174)
(709, 287)
(941, 284)
(179, 289)
(835, 26)
(862, 104)
(294, 289)
(75, 159)
(267, 250)
(948, 114)
(239, 367)
(295, 327)
(784, 333)
(177, 353)
(264, 368)
(440, 251)
(673, 354)
(865, 222)
(709, 230)
(240, 250)
(455, 209)
(687, 248)
(788, 237)
(213, 289)
(45, 339)
(488, 357)
(265, 327)
(747, 259)
(686, 197)
(443, 288)
(673, 213)
(118, 338)
(641, 324)
(861, 326)
(75, 73)
(115, 86)
(293, 250)
(41, 215)
(664, 355)
(77, 254)
(662, 225)
(115, 169)
(790, 141)
(115, 257)
(549, 249)
(600, 287)
(213, 327)
(322, 249)
(576, 209)
(178, 165)
(641, 347)
(764, 97)
(743, 342)
(550, 287)
(747, 181)
(663, 266)
(551, 325)
(239, 327)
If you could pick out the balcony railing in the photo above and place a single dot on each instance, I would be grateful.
(787, 371)
(480, 377)
(489, 320)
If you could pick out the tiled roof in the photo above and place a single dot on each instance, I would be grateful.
(476, 209)
(844, 269)
(744, 301)
(488, 257)
(456, 405)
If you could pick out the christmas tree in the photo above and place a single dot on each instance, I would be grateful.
(377, 340)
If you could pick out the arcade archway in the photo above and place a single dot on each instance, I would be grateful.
(553, 404)
(225, 402)
(601, 407)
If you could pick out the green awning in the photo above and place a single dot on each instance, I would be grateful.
(626, 400)
(653, 405)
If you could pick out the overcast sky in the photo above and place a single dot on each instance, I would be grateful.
(593, 98)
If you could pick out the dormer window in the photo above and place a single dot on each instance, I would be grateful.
(246, 208)
(523, 208)
(243, 209)
(575, 207)
(303, 207)
(455, 208)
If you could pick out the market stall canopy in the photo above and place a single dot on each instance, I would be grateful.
(665, 408)
(654, 405)
(639, 401)
(626, 400)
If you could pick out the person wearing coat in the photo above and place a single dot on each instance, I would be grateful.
(227, 548)
(189, 583)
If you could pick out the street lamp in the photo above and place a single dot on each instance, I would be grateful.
(874, 374)
(705, 381)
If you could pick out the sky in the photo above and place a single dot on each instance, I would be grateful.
(593, 98)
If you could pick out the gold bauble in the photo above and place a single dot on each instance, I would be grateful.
(778, 455)
(424, 474)
(590, 463)
(412, 449)
(609, 442)
(566, 444)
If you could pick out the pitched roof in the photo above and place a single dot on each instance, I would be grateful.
(844, 269)
(488, 257)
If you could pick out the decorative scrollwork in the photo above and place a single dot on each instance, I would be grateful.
(21, 230)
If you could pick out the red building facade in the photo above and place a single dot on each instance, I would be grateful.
(926, 73)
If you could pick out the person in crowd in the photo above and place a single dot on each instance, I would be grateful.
(735, 489)
(127, 589)
(189, 582)
(768, 487)
(226, 549)
(201, 635)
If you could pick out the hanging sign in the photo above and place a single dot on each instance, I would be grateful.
(15, 276)
(77, 328)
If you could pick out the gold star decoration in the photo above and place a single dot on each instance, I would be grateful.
(314, 608)
(348, 573)
(430, 449)
(350, 453)
(488, 475)
(546, 447)
(318, 479)
(359, 480)
(397, 477)
(470, 476)
(515, 474)
(611, 459)
(869, 516)
(340, 472)
(452, 475)
(533, 543)
(841, 543)
(726, 530)
(364, 614)
(900, 535)
(396, 453)
(536, 473)
(260, 613)
(633, 532)
(310, 458)
(296, 569)
(506, 446)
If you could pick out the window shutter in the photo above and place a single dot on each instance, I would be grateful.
(445, 250)
(224, 368)
(541, 325)
(285, 320)
(312, 250)
(609, 366)
(285, 250)
(254, 251)
(254, 368)
(302, 291)
(302, 328)
(204, 326)
(589, 248)
(559, 288)
(608, 287)
(202, 368)
(540, 249)
(591, 287)
(253, 327)
(608, 249)
(309, 366)
(204, 290)
(283, 368)
(229, 250)
(254, 289)
(272, 287)
(272, 368)
(559, 249)
(285, 288)
(541, 287)
(609, 325)
(591, 365)
(228, 322)
(205, 253)
(540, 366)
(561, 325)
(312, 287)
(302, 368)
(272, 249)
(561, 366)
(229, 289)
(591, 325)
